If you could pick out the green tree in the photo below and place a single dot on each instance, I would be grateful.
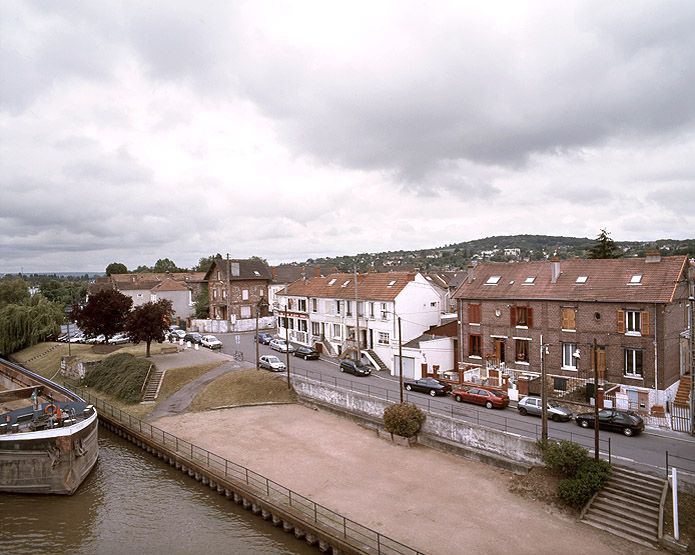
(605, 247)
(142, 269)
(202, 304)
(165, 265)
(149, 322)
(105, 313)
(24, 325)
(116, 268)
(13, 291)
(205, 263)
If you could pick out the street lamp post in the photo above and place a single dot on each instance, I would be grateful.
(400, 358)
(68, 315)
(596, 431)
(544, 395)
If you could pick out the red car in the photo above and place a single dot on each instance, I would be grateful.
(488, 398)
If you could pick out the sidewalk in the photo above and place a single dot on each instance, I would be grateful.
(431, 501)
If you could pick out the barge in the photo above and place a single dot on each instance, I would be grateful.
(48, 434)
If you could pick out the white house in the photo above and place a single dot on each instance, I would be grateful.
(334, 310)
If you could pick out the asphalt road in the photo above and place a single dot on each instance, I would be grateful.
(646, 451)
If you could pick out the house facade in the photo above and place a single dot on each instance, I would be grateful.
(238, 288)
(180, 288)
(621, 316)
(337, 309)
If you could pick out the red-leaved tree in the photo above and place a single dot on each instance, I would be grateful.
(149, 322)
(105, 313)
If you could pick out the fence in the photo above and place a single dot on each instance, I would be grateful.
(362, 538)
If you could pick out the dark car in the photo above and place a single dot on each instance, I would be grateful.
(176, 335)
(352, 367)
(624, 421)
(307, 353)
(428, 385)
(193, 337)
(489, 398)
(264, 338)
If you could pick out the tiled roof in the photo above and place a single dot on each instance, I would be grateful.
(156, 277)
(170, 285)
(440, 280)
(372, 286)
(249, 268)
(287, 273)
(608, 280)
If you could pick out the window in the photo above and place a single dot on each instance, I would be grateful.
(315, 328)
(559, 384)
(529, 280)
(636, 279)
(214, 294)
(348, 308)
(371, 310)
(391, 283)
(345, 283)
(218, 275)
(384, 311)
(244, 294)
(569, 318)
(331, 282)
(633, 322)
(301, 325)
(521, 350)
(475, 345)
(633, 362)
(224, 293)
(581, 279)
(337, 307)
(473, 313)
(246, 312)
(314, 305)
(493, 280)
(433, 303)
(302, 305)
(336, 331)
(383, 338)
(569, 361)
(521, 316)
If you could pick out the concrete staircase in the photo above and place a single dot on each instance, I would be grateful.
(683, 393)
(628, 506)
(374, 358)
(154, 382)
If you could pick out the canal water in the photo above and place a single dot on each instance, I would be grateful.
(133, 503)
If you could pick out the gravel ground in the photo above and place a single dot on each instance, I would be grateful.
(432, 501)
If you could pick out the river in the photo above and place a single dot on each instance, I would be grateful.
(133, 503)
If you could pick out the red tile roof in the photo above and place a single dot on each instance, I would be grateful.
(372, 286)
(607, 280)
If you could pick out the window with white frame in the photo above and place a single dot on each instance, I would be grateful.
(301, 325)
(336, 331)
(569, 361)
(244, 294)
(314, 305)
(371, 310)
(337, 307)
(632, 321)
(315, 328)
(633, 362)
(246, 312)
(348, 308)
(521, 350)
(301, 305)
(384, 311)
(383, 338)
(224, 293)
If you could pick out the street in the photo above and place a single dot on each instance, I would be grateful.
(646, 451)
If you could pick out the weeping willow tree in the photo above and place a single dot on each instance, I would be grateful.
(24, 325)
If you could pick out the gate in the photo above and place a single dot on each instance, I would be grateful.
(680, 418)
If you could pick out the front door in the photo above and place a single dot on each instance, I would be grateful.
(499, 351)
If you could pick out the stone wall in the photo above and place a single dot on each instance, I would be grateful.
(439, 431)
(223, 326)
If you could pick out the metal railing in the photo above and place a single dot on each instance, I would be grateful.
(360, 536)
(683, 464)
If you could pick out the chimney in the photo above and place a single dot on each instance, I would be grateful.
(652, 257)
(554, 271)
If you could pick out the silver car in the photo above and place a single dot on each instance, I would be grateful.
(533, 405)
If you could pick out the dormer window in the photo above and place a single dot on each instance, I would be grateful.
(636, 279)
(493, 280)
(581, 279)
(257, 273)
(530, 280)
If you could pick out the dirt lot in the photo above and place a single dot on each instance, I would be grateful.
(432, 501)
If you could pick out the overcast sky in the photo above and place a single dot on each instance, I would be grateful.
(133, 131)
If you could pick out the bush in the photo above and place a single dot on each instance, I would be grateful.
(403, 420)
(590, 478)
(120, 375)
(563, 457)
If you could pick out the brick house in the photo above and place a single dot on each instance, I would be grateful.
(237, 287)
(633, 310)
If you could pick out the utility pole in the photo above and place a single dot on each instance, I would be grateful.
(544, 397)
(358, 356)
(257, 341)
(287, 344)
(229, 288)
(691, 307)
(596, 430)
(400, 358)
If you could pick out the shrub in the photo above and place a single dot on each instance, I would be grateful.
(120, 375)
(403, 420)
(590, 478)
(563, 457)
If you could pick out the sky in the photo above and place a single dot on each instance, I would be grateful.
(135, 131)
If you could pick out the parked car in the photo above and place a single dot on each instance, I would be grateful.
(272, 363)
(533, 405)
(176, 335)
(77, 338)
(488, 398)
(281, 345)
(211, 342)
(193, 337)
(353, 367)
(99, 339)
(174, 327)
(264, 338)
(119, 339)
(307, 353)
(428, 385)
(613, 420)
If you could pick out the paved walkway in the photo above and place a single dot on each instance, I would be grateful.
(432, 501)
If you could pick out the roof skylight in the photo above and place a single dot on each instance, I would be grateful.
(636, 279)
(391, 283)
(331, 282)
(529, 280)
(493, 280)
(345, 284)
(582, 279)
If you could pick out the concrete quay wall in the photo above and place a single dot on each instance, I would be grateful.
(505, 449)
